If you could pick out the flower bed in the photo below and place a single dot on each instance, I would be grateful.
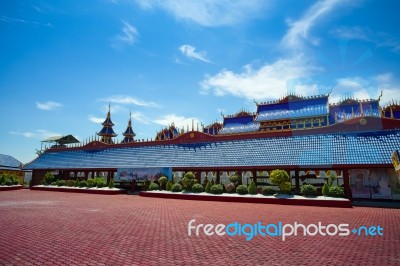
(92, 190)
(283, 199)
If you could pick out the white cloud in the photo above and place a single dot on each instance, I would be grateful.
(129, 35)
(47, 106)
(138, 116)
(36, 134)
(125, 99)
(210, 13)
(379, 39)
(299, 30)
(179, 121)
(267, 82)
(190, 52)
(351, 33)
(97, 120)
(367, 88)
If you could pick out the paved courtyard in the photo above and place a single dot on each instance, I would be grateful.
(54, 228)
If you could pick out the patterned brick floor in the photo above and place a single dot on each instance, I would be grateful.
(39, 227)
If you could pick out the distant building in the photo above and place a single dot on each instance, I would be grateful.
(309, 137)
(10, 165)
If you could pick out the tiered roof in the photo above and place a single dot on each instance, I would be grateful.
(107, 132)
(239, 123)
(292, 107)
(129, 134)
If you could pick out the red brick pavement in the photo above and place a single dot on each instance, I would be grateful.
(52, 228)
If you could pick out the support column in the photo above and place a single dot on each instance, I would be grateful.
(296, 178)
(217, 180)
(346, 182)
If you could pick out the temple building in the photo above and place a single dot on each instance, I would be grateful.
(129, 134)
(310, 137)
(107, 132)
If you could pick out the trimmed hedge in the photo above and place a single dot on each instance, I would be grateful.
(268, 191)
(176, 188)
(336, 192)
(217, 189)
(197, 188)
(308, 190)
(242, 190)
(154, 186)
(252, 188)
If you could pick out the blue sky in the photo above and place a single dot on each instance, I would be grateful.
(63, 62)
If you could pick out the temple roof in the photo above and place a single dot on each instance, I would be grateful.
(62, 140)
(8, 162)
(107, 131)
(372, 148)
(108, 121)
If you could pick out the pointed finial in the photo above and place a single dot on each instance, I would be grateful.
(380, 96)
(223, 116)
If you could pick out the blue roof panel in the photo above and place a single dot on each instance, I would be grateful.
(309, 150)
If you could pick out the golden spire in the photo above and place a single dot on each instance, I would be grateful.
(391, 112)
(352, 111)
(192, 124)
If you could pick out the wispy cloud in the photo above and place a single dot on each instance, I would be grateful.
(138, 116)
(379, 39)
(128, 36)
(36, 134)
(179, 121)
(210, 13)
(299, 30)
(97, 120)
(268, 81)
(14, 21)
(125, 99)
(47, 106)
(190, 51)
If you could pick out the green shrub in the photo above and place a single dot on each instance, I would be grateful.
(217, 189)
(234, 179)
(230, 187)
(252, 188)
(208, 187)
(285, 187)
(60, 183)
(8, 182)
(83, 183)
(336, 192)
(197, 188)
(153, 186)
(169, 186)
(162, 180)
(69, 183)
(90, 182)
(278, 177)
(2, 179)
(308, 190)
(43, 182)
(331, 179)
(188, 180)
(53, 183)
(15, 181)
(267, 190)
(49, 177)
(242, 190)
(325, 189)
(100, 184)
(111, 184)
(176, 188)
(77, 183)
